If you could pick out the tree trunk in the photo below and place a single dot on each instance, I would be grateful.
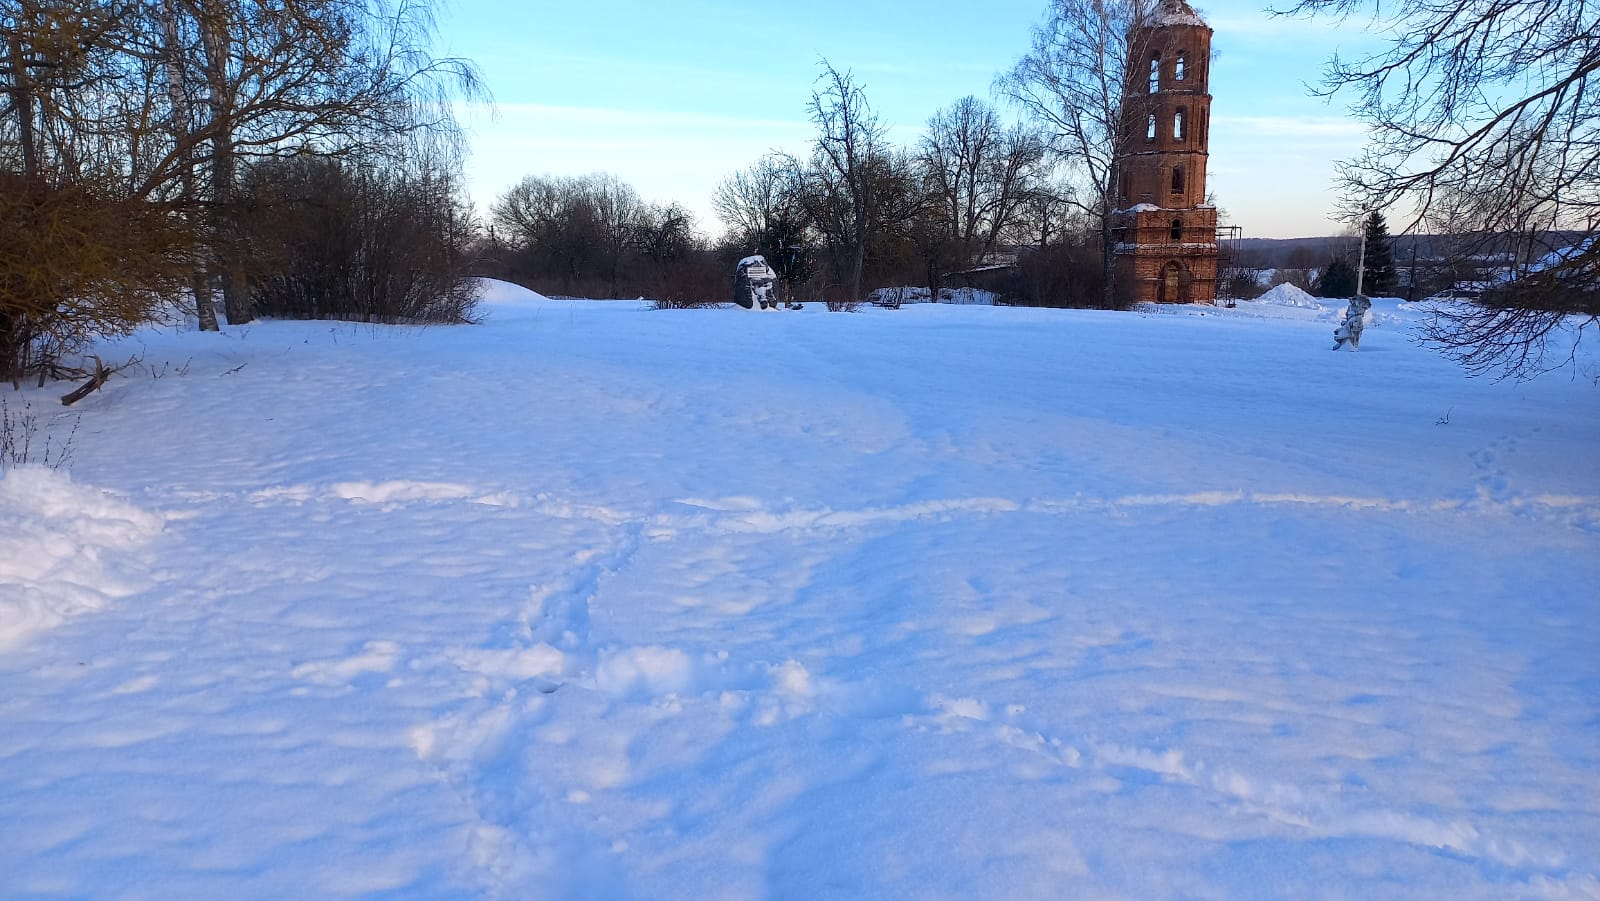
(9, 359)
(12, 331)
(1108, 261)
(181, 124)
(858, 262)
(22, 101)
(224, 169)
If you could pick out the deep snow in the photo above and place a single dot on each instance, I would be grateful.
(593, 601)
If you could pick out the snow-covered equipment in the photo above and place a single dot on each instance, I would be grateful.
(1354, 322)
(755, 285)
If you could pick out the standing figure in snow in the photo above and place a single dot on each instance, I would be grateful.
(755, 285)
(1354, 322)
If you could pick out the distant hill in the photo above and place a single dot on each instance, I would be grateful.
(1313, 253)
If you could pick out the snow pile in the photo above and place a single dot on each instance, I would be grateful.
(1287, 295)
(65, 550)
(502, 300)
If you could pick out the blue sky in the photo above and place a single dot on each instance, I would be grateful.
(673, 96)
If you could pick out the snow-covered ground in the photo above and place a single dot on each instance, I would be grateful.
(597, 602)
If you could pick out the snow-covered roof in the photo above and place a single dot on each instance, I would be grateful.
(1175, 12)
(1561, 257)
(757, 258)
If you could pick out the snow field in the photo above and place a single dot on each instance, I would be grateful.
(598, 602)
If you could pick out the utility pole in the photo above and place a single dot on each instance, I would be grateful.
(1361, 256)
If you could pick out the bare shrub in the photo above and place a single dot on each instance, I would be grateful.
(337, 241)
(19, 440)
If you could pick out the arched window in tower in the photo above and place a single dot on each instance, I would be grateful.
(1155, 73)
(1178, 73)
(1177, 230)
(1127, 185)
(1150, 129)
(1177, 125)
(1177, 179)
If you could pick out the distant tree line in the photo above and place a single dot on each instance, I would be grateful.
(299, 158)
(976, 201)
(593, 236)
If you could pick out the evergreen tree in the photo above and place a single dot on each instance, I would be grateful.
(1338, 279)
(1377, 273)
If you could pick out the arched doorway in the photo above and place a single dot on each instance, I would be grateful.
(1174, 287)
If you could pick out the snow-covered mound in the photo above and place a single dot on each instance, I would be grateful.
(497, 292)
(502, 299)
(66, 550)
(1287, 295)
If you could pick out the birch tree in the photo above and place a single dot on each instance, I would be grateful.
(283, 77)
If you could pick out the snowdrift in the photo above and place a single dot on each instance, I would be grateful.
(68, 549)
(502, 299)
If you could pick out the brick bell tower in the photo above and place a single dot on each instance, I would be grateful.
(1166, 232)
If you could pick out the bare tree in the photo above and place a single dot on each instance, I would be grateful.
(580, 229)
(125, 124)
(1072, 82)
(80, 254)
(979, 172)
(551, 228)
(617, 212)
(58, 70)
(850, 140)
(749, 201)
(671, 252)
(181, 122)
(1485, 122)
(1048, 213)
(762, 210)
(282, 77)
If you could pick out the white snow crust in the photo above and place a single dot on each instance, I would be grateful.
(597, 602)
(67, 549)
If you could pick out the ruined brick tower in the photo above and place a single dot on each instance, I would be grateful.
(1166, 232)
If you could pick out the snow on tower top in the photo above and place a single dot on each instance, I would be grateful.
(1175, 12)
